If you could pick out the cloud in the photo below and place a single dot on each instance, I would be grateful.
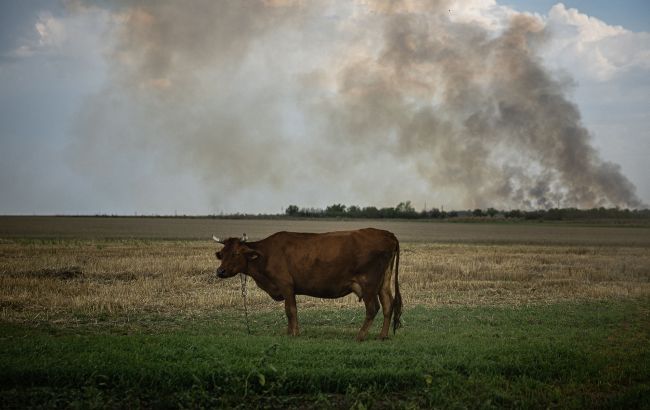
(74, 36)
(51, 31)
(47, 36)
(592, 48)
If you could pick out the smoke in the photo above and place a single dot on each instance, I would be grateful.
(361, 102)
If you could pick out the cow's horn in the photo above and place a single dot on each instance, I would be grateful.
(217, 239)
(244, 238)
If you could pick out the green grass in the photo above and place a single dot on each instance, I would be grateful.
(566, 355)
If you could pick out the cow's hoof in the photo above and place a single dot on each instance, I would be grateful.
(382, 337)
(360, 338)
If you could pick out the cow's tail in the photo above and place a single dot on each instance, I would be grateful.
(397, 302)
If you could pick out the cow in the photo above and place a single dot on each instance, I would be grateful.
(327, 265)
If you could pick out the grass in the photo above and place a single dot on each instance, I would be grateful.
(524, 317)
(594, 354)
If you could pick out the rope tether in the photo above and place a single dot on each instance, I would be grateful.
(244, 293)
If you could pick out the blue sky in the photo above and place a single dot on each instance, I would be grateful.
(631, 14)
(57, 62)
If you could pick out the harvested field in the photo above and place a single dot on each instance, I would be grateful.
(46, 227)
(60, 279)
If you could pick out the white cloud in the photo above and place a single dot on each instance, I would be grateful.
(51, 31)
(48, 36)
(592, 49)
(76, 35)
(586, 47)
(486, 13)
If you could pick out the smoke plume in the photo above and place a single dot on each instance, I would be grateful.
(367, 102)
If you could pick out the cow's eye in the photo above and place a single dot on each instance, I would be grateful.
(218, 255)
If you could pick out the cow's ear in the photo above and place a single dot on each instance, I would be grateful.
(251, 254)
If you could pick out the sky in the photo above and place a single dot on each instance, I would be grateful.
(221, 107)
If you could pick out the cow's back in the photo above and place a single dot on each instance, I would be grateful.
(327, 264)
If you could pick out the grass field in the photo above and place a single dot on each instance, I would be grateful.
(560, 318)
(590, 355)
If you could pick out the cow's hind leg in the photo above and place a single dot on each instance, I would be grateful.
(292, 314)
(372, 307)
(386, 299)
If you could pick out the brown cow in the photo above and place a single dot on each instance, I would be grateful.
(329, 265)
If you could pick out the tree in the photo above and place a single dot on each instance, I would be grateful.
(370, 212)
(335, 210)
(435, 213)
(387, 212)
(354, 211)
(292, 210)
(515, 213)
(405, 210)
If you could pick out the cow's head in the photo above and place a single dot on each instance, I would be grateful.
(235, 256)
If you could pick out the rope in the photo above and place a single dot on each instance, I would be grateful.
(244, 293)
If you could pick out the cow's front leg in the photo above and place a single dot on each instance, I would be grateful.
(292, 314)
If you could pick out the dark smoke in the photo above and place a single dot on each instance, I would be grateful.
(367, 102)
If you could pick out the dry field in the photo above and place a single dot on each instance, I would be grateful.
(67, 280)
(46, 227)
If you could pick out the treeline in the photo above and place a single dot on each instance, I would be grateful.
(405, 210)
(402, 210)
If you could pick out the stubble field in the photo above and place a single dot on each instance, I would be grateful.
(127, 312)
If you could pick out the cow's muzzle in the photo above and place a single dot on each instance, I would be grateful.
(221, 272)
